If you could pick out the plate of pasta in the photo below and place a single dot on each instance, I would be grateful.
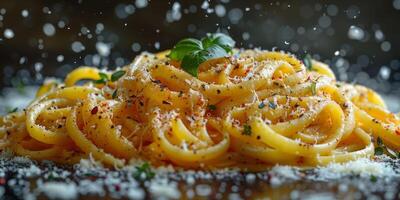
(204, 105)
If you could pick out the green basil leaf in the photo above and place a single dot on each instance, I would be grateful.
(220, 39)
(190, 63)
(185, 47)
(103, 76)
(308, 62)
(100, 81)
(117, 75)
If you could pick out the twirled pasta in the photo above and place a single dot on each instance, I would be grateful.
(252, 110)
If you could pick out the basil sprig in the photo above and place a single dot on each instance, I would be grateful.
(192, 52)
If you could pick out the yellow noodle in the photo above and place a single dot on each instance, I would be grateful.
(252, 110)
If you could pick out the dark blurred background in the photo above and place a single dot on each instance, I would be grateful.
(38, 38)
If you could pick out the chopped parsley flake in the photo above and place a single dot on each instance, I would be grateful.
(313, 88)
(143, 172)
(378, 150)
(114, 94)
(246, 129)
(272, 105)
(212, 107)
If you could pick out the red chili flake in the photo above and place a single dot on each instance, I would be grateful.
(94, 110)
(2, 181)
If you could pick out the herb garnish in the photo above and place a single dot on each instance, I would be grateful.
(246, 129)
(143, 172)
(192, 52)
(272, 105)
(307, 62)
(114, 94)
(212, 107)
(382, 148)
(378, 150)
(117, 75)
(103, 78)
(12, 110)
(261, 105)
(114, 77)
(313, 88)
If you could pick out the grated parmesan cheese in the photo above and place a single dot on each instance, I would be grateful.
(58, 190)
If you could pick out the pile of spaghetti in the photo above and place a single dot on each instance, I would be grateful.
(249, 110)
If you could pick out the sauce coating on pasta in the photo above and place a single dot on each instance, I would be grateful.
(248, 111)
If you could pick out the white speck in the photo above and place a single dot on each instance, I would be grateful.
(235, 15)
(77, 47)
(247, 9)
(220, 10)
(355, 33)
(363, 166)
(46, 10)
(60, 58)
(130, 9)
(38, 66)
(25, 13)
(120, 11)
(96, 59)
(245, 36)
(141, 3)
(301, 30)
(385, 72)
(353, 12)
(8, 33)
(337, 53)
(55, 190)
(48, 29)
(286, 42)
(103, 49)
(22, 60)
(386, 46)
(332, 10)
(379, 35)
(163, 189)
(324, 21)
(205, 5)
(61, 24)
(396, 4)
(203, 190)
(250, 178)
(3, 11)
(84, 30)
(99, 28)
(136, 47)
(175, 13)
(135, 193)
(157, 45)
